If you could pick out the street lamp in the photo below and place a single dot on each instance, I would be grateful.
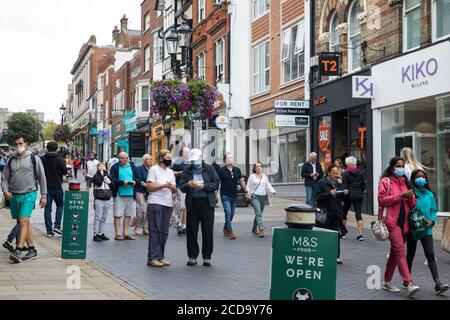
(62, 111)
(180, 38)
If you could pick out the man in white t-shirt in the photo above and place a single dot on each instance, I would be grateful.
(91, 170)
(161, 185)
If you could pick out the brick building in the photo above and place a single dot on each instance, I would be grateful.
(277, 73)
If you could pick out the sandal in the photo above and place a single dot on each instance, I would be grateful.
(118, 238)
(128, 237)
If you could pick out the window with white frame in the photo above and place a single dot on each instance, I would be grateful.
(411, 24)
(201, 10)
(158, 48)
(441, 19)
(145, 99)
(292, 53)
(261, 68)
(147, 21)
(354, 37)
(201, 66)
(118, 102)
(334, 35)
(220, 61)
(260, 7)
(147, 58)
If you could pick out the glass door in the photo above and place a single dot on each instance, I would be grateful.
(443, 152)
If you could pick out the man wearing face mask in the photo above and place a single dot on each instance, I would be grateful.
(199, 181)
(21, 177)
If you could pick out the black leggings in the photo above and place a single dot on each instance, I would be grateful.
(427, 244)
(357, 205)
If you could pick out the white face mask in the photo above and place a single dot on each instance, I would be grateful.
(21, 150)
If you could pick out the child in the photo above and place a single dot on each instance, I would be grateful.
(102, 194)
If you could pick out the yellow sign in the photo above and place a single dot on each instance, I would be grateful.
(177, 124)
(271, 125)
(157, 131)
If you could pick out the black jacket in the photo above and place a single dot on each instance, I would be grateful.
(55, 169)
(307, 170)
(332, 204)
(353, 181)
(117, 183)
(210, 179)
(98, 178)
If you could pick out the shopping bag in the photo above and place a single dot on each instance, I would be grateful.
(445, 243)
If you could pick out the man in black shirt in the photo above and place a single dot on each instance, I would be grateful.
(230, 176)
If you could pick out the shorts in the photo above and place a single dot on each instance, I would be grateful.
(182, 197)
(22, 205)
(89, 182)
(124, 206)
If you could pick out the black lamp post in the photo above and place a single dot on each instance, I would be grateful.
(62, 111)
(180, 38)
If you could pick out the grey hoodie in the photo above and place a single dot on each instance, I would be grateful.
(21, 178)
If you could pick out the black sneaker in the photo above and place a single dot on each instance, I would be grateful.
(192, 262)
(50, 235)
(207, 262)
(441, 288)
(360, 237)
(17, 256)
(31, 255)
(179, 231)
(97, 238)
(104, 238)
(9, 247)
(57, 229)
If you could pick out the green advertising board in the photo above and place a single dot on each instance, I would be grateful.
(76, 210)
(304, 264)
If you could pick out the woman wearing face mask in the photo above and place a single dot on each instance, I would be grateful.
(395, 194)
(426, 202)
(102, 195)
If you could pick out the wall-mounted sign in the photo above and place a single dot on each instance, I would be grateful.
(157, 131)
(177, 127)
(324, 135)
(130, 121)
(362, 87)
(137, 144)
(292, 113)
(222, 122)
(329, 64)
(271, 125)
(320, 100)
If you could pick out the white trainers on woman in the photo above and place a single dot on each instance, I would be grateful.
(388, 286)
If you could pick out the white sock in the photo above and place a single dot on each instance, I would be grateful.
(183, 226)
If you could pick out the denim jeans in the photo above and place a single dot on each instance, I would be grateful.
(56, 195)
(258, 203)
(311, 195)
(229, 206)
(14, 234)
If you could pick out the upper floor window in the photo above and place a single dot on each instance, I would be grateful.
(147, 21)
(145, 99)
(261, 68)
(158, 49)
(260, 7)
(201, 66)
(292, 55)
(411, 24)
(147, 59)
(334, 36)
(201, 10)
(441, 19)
(220, 61)
(354, 37)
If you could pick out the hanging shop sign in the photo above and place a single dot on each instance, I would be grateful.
(157, 131)
(222, 122)
(329, 64)
(130, 121)
(362, 87)
(292, 113)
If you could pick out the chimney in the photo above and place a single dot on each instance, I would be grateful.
(124, 24)
(115, 36)
(92, 40)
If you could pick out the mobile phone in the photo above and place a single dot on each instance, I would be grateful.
(340, 192)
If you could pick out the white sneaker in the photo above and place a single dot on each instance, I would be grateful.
(388, 286)
(412, 290)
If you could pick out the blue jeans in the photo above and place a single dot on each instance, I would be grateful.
(13, 234)
(229, 206)
(311, 195)
(56, 195)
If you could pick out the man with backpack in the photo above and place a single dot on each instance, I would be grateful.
(22, 174)
(55, 169)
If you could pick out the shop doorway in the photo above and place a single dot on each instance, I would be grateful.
(340, 135)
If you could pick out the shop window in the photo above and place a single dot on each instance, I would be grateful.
(441, 19)
(354, 37)
(411, 24)
(443, 153)
(334, 35)
(292, 55)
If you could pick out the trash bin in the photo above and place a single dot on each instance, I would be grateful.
(300, 216)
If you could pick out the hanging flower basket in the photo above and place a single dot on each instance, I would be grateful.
(62, 134)
(203, 99)
(170, 98)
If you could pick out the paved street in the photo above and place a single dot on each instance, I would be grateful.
(241, 268)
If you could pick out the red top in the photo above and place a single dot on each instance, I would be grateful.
(76, 164)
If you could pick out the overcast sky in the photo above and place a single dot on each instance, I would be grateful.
(40, 43)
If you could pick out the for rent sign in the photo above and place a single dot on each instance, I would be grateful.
(304, 264)
(292, 113)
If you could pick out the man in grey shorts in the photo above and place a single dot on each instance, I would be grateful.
(125, 178)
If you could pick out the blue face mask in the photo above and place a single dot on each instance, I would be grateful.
(420, 182)
(399, 172)
(197, 164)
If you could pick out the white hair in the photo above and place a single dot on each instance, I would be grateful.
(313, 154)
(351, 161)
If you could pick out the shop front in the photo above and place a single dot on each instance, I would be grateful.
(281, 150)
(341, 127)
(411, 108)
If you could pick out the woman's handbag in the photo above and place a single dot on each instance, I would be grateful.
(249, 196)
(380, 230)
(417, 226)
(101, 193)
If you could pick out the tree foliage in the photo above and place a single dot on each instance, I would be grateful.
(48, 131)
(25, 124)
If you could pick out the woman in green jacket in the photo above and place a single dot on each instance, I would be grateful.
(426, 202)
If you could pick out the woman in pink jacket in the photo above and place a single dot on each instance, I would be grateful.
(396, 199)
